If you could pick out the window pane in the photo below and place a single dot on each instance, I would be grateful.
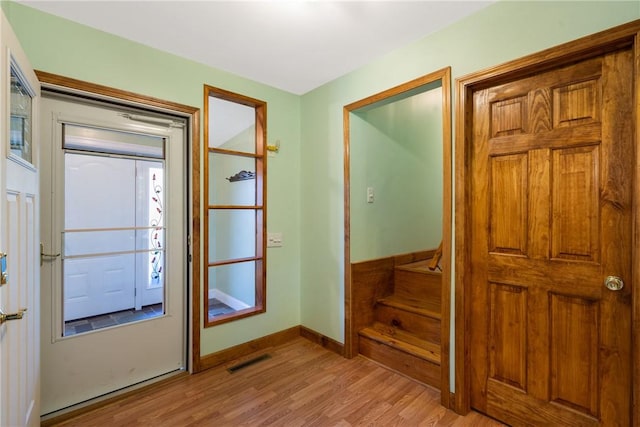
(98, 242)
(98, 285)
(113, 241)
(111, 141)
(232, 285)
(232, 126)
(232, 180)
(150, 223)
(21, 117)
(100, 192)
(233, 232)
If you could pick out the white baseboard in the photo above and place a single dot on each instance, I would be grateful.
(227, 299)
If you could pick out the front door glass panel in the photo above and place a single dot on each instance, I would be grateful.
(21, 120)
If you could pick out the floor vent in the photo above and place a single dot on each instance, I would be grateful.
(247, 363)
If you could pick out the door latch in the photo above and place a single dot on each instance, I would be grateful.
(4, 317)
(48, 256)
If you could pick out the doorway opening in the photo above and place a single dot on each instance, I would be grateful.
(397, 228)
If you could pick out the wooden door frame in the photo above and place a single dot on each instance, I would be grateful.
(627, 35)
(192, 114)
(351, 334)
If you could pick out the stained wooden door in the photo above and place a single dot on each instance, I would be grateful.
(552, 164)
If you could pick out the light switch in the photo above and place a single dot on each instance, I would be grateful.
(274, 240)
(370, 195)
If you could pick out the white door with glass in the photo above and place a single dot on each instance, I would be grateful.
(114, 270)
(19, 267)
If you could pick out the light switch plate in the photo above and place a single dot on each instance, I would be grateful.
(274, 240)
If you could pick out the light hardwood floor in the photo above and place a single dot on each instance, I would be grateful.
(302, 384)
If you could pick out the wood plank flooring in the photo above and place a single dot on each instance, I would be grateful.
(301, 384)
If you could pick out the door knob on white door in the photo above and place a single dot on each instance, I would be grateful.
(613, 283)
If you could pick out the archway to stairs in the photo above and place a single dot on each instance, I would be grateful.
(397, 215)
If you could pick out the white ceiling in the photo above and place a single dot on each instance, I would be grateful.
(292, 45)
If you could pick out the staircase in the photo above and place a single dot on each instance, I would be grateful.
(405, 334)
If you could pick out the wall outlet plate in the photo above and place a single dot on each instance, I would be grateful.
(274, 240)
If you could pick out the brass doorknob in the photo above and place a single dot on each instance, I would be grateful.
(613, 283)
(11, 316)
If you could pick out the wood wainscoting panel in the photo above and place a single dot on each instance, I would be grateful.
(370, 281)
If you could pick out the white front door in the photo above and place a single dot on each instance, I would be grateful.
(19, 233)
(114, 209)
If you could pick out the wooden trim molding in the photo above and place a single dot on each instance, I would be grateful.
(74, 86)
(627, 35)
(326, 342)
(351, 333)
(260, 207)
(242, 350)
(445, 310)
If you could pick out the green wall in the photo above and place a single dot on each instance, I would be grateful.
(396, 149)
(62, 47)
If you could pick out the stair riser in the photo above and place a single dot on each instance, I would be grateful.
(407, 364)
(418, 285)
(426, 328)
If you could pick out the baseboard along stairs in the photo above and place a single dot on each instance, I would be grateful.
(405, 333)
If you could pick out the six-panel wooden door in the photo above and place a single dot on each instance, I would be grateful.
(552, 163)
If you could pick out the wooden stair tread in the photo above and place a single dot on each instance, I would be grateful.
(424, 307)
(421, 266)
(404, 342)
